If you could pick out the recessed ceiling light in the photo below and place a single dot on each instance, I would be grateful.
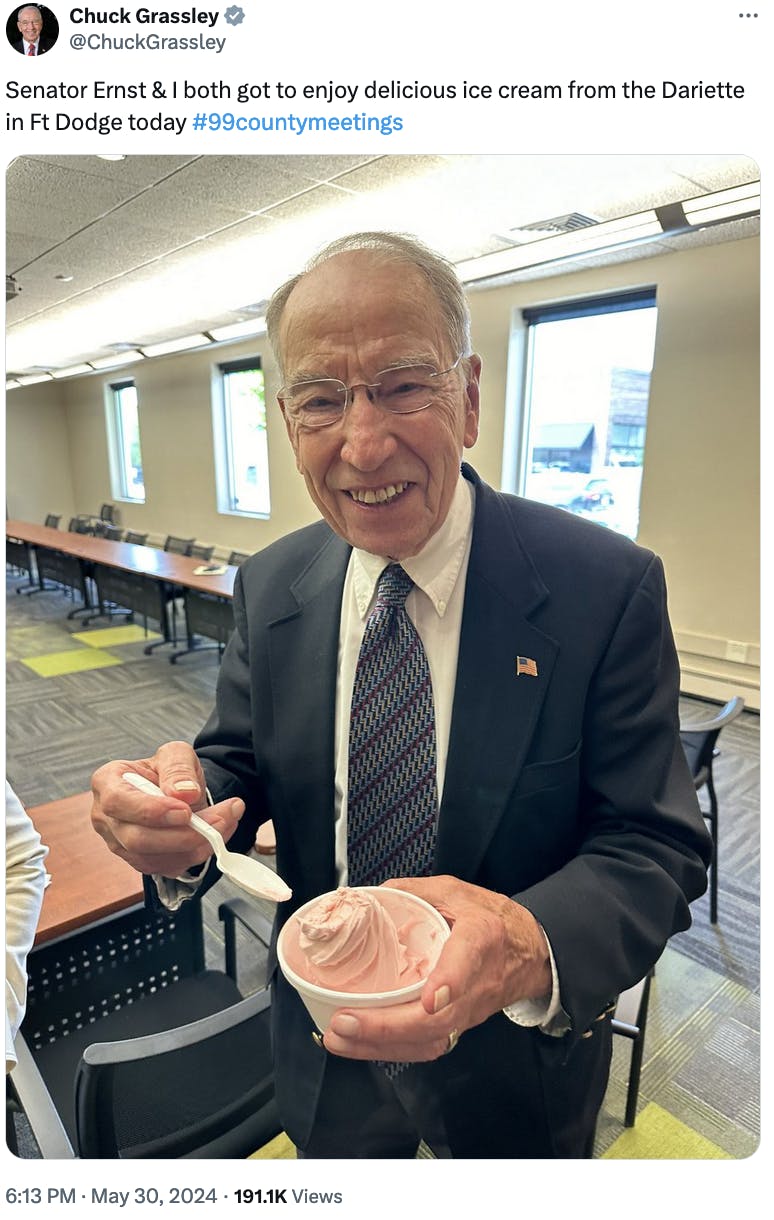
(73, 371)
(175, 345)
(112, 156)
(111, 362)
(238, 330)
(64, 278)
(34, 378)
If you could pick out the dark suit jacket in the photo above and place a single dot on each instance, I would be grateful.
(568, 791)
(45, 44)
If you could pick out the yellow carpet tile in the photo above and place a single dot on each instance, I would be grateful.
(278, 1149)
(111, 637)
(55, 664)
(659, 1136)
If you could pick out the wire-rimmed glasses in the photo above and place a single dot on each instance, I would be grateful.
(402, 390)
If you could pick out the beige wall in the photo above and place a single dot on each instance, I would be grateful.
(39, 476)
(700, 486)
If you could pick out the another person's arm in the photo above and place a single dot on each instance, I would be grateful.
(25, 880)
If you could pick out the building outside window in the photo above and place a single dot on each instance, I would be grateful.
(586, 404)
(241, 447)
(124, 432)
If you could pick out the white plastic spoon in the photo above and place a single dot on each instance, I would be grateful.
(244, 871)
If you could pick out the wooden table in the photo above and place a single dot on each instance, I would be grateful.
(126, 574)
(128, 556)
(88, 882)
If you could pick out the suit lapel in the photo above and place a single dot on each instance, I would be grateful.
(495, 709)
(303, 653)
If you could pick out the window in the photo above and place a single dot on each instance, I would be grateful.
(586, 405)
(241, 449)
(124, 433)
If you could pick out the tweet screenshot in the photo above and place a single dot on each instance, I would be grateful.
(383, 442)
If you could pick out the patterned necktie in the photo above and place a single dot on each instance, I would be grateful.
(32, 49)
(392, 802)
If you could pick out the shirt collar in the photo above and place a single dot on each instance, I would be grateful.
(437, 566)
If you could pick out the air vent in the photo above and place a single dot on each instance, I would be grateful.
(568, 223)
(12, 288)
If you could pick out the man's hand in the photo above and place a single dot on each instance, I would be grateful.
(496, 955)
(153, 833)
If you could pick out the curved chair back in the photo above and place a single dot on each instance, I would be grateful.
(700, 746)
(178, 546)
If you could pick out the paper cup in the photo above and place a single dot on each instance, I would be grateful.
(426, 938)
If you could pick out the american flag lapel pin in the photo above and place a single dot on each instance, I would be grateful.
(525, 665)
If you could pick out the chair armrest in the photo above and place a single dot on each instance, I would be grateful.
(38, 1107)
(150, 1045)
(249, 915)
(732, 709)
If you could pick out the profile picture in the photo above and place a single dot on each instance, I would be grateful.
(32, 29)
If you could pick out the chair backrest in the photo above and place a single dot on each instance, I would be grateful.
(79, 525)
(108, 513)
(108, 966)
(201, 551)
(52, 520)
(128, 1094)
(237, 557)
(699, 739)
(135, 537)
(179, 546)
(113, 532)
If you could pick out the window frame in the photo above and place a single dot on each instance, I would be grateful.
(222, 428)
(117, 440)
(518, 423)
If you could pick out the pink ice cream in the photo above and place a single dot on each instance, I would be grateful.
(348, 941)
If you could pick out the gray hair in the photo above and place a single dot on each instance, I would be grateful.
(391, 247)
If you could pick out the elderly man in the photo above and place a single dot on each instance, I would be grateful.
(542, 802)
(29, 21)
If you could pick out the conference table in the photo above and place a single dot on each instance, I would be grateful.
(88, 882)
(141, 578)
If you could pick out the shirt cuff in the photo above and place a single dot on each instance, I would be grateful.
(174, 891)
(545, 1012)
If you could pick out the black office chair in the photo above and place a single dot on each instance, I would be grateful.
(109, 513)
(52, 520)
(200, 551)
(178, 546)
(629, 1020)
(132, 1049)
(700, 746)
(238, 557)
(135, 537)
(113, 533)
(80, 525)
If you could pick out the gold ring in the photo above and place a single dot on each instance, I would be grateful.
(454, 1038)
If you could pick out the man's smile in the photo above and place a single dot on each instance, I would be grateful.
(376, 495)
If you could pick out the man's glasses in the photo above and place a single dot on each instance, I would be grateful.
(400, 391)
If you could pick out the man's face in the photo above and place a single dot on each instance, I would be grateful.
(30, 23)
(383, 482)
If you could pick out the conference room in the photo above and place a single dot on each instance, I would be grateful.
(615, 306)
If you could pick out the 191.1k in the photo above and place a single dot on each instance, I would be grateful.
(261, 1196)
